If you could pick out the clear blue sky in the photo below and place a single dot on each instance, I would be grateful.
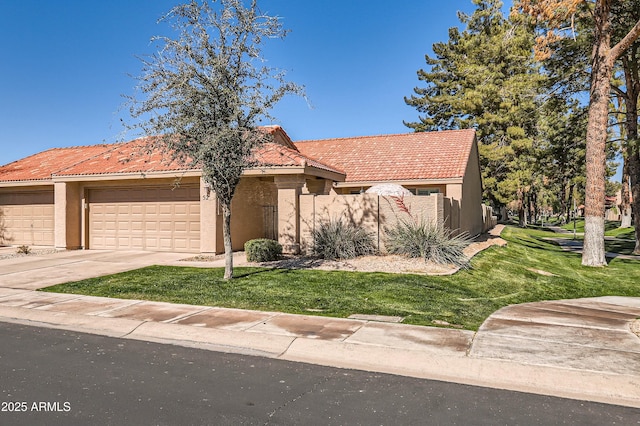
(66, 64)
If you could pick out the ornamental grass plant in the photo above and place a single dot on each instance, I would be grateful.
(338, 239)
(419, 238)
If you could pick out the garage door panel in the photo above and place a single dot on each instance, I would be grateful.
(161, 219)
(166, 243)
(151, 209)
(28, 217)
(180, 226)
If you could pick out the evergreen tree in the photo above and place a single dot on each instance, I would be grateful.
(485, 77)
(562, 146)
(554, 17)
(626, 88)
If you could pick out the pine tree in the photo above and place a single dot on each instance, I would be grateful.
(553, 16)
(485, 77)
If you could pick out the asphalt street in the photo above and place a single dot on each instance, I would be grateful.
(57, 377)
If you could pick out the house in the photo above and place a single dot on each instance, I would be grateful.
(425, 163)
(119, 196)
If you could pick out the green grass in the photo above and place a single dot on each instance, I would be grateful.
(625, 237)
(518, 273)
(623, 233)
(611, 228)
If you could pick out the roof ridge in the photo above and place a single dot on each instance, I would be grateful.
(295, 155)
(384, 135)
(290, 153)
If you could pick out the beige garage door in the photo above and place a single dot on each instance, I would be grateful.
(26, 218)
(157, 218)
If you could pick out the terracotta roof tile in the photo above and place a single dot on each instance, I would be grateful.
(274, 154)
(433, 155)
(42, 165)
(129, 157)
(427, 155)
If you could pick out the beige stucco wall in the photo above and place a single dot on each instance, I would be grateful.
(210, 220)
(371, 212)
(248, 215)
(68, 202)
(471, 212)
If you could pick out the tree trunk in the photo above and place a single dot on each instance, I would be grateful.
(570, 212)
(634, 174)
(625, 203)
(563, 203)
(522, 219)
(226, 235)
(631, 170)
(593, 251)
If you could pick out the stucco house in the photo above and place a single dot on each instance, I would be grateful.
(117, 196)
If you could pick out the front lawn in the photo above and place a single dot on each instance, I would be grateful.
(527, 270)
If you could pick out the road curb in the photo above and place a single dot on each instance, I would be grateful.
(607, 388)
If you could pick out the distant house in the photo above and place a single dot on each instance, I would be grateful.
(116, 196)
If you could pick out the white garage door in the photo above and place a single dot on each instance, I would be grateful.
(27, 218)
(159, 218)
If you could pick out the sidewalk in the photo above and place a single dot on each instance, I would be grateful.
(582, 349)
(575, 246)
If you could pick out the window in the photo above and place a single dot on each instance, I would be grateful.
(427, 191)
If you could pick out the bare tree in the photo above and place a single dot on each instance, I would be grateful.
(206, 91)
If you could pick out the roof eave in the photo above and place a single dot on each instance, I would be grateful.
(294, 170)
(128, 175)
(35, 182)
(402, 182)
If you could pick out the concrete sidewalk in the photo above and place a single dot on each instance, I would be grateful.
(583, 349)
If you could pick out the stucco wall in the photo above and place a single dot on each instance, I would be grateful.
(249, 215)
(372, 212)
(471, 217)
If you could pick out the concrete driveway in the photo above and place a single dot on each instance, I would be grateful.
(34, 272)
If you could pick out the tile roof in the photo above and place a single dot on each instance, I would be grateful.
(276, 155)
(411, 156)
(42, 165)
(129, 157)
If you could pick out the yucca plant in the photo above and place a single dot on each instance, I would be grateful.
(418, 238)
(336, 239)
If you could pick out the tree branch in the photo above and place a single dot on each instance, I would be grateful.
(625, 43)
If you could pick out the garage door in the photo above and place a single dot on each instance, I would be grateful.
(26, 218)
(151, 218)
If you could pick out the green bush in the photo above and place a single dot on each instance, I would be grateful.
(421, 239)
(336, 239)
(262, 250)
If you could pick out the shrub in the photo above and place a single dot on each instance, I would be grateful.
(421, 239)
(336, 239)
(23, 250)
(262, 250)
